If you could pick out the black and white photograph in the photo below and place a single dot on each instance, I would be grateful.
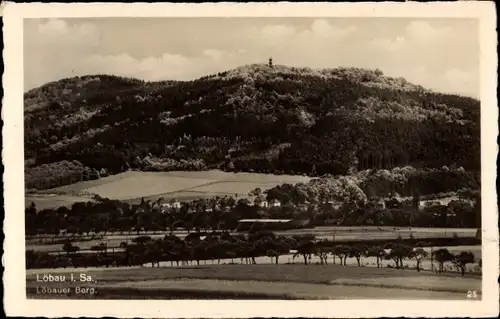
(255, 158)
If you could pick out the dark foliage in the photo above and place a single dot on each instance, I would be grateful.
(280, 120)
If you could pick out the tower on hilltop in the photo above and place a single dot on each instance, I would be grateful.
(270, 62)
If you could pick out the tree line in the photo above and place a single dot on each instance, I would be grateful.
(214, 248)
(60, 173)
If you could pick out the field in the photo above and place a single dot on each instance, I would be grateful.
(268, 281)
(132, 186)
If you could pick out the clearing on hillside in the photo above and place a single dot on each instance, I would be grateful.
(181, 185)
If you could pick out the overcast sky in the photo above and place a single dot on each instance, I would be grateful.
(440, 54)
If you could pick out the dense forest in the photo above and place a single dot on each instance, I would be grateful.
(253, 118)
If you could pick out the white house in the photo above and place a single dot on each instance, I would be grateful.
(260, 202)
(275, 203)
(176, 204)
(445, 201)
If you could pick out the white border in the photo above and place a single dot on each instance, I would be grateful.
(15, 301)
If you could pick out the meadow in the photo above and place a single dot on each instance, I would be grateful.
(181, 185)
(291, 281)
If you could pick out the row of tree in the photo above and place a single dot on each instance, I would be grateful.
(144, 249)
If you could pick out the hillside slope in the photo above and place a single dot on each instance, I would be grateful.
(253, 118)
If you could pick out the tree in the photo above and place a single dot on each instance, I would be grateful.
(377, 252)
(418, 254)
(232, 255)
(462, 259)
(305, 248)
(357, 252)
(442, 256)
(272, 254)
(398, 253)
(342, 252)
(322, 253)
(200, 251)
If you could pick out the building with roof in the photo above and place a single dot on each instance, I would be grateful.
(274, 203)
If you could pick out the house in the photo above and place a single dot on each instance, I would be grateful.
(274, 203)
(445, 201)
(176, 204)
(259, 201)
(264, 204)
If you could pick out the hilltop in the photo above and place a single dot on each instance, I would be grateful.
(252, 118)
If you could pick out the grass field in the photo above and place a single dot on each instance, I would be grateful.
(269, 281)
(132, 186)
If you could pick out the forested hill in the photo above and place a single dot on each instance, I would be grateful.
(253, 118)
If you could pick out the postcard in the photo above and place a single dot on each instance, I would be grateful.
(250, 160)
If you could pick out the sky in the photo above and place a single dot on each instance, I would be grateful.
(439, 54)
